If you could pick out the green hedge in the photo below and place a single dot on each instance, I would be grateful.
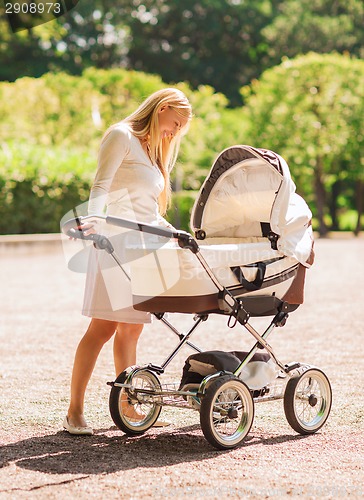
(48, 147)
(47, 184)
(38, 185)
(48, 153)
(180, 210)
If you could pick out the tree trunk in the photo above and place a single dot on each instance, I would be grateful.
(359, 202)
(320, 197)
(335, 192)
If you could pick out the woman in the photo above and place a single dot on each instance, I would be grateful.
(132, 181)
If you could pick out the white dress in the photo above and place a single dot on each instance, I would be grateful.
(128, 185)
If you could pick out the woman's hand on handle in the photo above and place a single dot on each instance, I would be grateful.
(82, 228)
(90, 227)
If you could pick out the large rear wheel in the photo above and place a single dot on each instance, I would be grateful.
(134, 409)
(307, 401)
(227, 412)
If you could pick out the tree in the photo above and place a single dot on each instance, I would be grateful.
(301, 26)
(20, 54)
(310, 110)
(209, 42)
(91, 34)
(220, 43)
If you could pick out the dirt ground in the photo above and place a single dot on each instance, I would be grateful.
(40, 326)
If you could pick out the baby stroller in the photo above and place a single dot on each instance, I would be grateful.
(251, 247)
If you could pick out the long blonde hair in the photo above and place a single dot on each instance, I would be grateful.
(144, 122)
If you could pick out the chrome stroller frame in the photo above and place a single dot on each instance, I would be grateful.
(224, 401)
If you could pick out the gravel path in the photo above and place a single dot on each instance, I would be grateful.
(40, 326)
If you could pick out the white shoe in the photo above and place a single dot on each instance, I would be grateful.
(76, 431)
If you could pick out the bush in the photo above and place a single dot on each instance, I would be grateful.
(180, 210)
(46, 184)
(38, 186)
(48, 157)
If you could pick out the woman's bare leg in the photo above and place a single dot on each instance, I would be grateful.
(98, 332)
(125, 345)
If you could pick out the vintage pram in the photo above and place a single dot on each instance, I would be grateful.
(251, 247)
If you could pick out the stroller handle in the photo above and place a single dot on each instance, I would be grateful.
(185, 240)
(140, 226)
(73, 229)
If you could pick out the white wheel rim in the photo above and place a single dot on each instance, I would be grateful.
(231, 397)
(312, 400)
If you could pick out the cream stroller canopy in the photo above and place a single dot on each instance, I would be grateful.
(249, 192)
(254, 233)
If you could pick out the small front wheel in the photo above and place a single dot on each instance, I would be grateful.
(136, 407)
(307, 401)
(227, 412)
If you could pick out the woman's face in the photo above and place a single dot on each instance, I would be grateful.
(170, 122)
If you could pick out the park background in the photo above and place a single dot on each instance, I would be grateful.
(281, 75)
(285, 75)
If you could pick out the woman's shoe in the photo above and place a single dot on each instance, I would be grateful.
(76, 431)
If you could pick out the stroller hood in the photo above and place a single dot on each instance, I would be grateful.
(248, 193)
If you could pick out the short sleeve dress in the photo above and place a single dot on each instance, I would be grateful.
(128, 185)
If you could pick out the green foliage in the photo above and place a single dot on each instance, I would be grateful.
(213, 128)
(38, 185)
(221, 43)
(217, 43)
(180, 211)
(348, 220)
(55, 109)
(49, 151)
(118, 92)
(322, 26)
(310, 110)
(307, 108)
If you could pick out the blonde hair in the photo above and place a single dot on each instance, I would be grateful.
(144, 122)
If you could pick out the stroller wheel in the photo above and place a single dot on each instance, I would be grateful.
(135, 409)
(307, 401)
(227, 412)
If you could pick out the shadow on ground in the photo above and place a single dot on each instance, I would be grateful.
(107, 452)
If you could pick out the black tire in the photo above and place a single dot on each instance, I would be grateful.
(307, 401)
(227, 412)
(123, 400)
